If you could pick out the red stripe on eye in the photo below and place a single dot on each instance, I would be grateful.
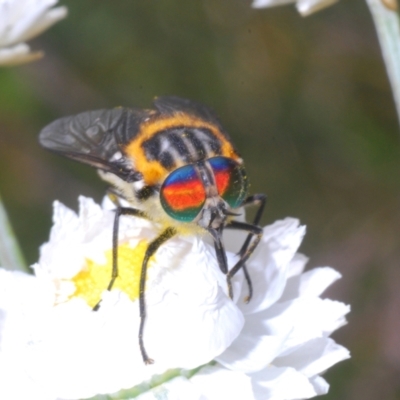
(222, 180)
(181, 196)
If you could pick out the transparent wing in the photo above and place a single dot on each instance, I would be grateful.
(171, 104)
(96, 138)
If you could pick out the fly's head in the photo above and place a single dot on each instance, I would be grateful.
(205, 193)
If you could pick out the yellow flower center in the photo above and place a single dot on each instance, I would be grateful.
(94, 278)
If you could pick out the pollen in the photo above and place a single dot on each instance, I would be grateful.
(95, 278)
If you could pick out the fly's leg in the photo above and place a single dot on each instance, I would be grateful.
(220, 253)
(114, 273)
(246, 251)
(257, 200)
(247, 248)
(151, 249)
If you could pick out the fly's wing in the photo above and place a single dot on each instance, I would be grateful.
(96, 138)
(173, 104)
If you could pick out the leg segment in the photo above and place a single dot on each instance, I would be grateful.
(221, 254)
(258, 200)
(219, 249)
(153, 246)
(114, 273)
(254, 231)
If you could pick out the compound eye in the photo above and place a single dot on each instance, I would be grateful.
(182, 194)
(231, 180)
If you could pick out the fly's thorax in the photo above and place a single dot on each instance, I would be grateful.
(165, 143)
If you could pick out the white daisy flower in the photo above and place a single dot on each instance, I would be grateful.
(22, 20)
(205, 346)
(304, 7)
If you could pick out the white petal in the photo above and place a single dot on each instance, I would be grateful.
(216, 383)
(97, 224)
(278, 354)
(261, 340)
(251, 352)
(284, 238)
(198, 305)
(312, 283)
(314, 357)
(74, 333)
(271, 261)
(89, 234)
(23, 292)
(56, 257)
(107, 353)
(308, 7)
(190, 319)
(20, 18)
(309, 318)
(297, 265)
(42, 22)
(281, 329)
(274, 383)
(268, 284)
(105, 342)
(25, 19)
(21, 296)
(218, 320)
(17, 385)
(270, 3)
(19, 54)
(321, 386)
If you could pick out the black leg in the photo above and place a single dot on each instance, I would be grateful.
(153, 246)
(254, 231)
(258, 200)
(114, 273)
(221, 254)
(255, 200)
(219, 249)
(246, 249)
(151, 249)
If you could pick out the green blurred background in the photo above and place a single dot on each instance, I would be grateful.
(307, 102)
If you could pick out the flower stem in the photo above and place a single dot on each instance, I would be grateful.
(156, 380)
(386, 16)
(10, 253)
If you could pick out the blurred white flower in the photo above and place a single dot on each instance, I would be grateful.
(304, 7)
(22, 20)
(205, 346)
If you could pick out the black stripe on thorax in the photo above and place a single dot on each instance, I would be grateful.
(181, 143)
(175, 137)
